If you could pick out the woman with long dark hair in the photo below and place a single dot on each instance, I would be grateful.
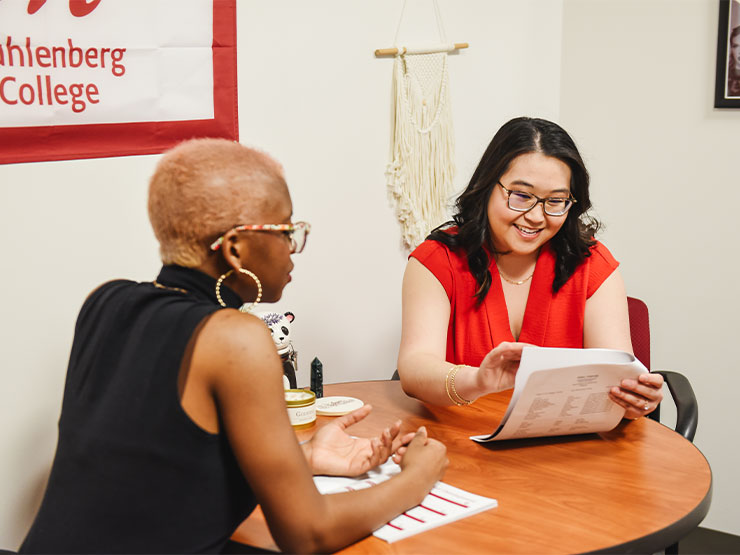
(518, 265)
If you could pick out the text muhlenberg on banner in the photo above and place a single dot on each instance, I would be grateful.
(87, 78)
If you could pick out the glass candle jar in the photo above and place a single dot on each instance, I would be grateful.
(301, 405)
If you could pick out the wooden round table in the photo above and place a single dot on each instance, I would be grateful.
(637, 488)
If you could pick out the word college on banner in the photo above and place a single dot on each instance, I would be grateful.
(92, 78)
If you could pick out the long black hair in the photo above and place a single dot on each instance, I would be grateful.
(521, 136)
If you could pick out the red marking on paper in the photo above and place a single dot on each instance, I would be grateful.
(432, 510)
(448, 500)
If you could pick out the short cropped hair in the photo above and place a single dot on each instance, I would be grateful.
(202, 188)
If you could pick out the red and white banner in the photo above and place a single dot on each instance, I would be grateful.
(92, 78)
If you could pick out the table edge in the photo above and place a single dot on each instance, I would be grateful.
(674, 532)
(655, 541)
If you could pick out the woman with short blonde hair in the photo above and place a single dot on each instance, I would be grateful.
(173, 423)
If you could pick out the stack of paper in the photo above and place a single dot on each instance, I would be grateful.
(565, 391)
(444, 504)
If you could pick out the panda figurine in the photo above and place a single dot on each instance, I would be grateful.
(280, 327)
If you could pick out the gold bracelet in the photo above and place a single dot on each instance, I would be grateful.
(450, 387)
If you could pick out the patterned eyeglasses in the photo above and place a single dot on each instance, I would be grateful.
(297, 233)
(521, 201)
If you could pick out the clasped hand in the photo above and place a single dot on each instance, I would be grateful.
(333, 452)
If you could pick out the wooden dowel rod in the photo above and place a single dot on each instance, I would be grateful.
(394, 51)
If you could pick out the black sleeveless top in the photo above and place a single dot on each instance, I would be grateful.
(132, 473)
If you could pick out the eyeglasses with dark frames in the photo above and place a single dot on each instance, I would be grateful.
(522, 201)
(297, 233)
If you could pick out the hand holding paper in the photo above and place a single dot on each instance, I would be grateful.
(570, 391)
(498, 369)
(638, 396)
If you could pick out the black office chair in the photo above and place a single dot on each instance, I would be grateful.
(687, 409)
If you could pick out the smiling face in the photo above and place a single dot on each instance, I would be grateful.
(524, 233)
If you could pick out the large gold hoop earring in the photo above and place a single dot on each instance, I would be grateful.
(243, 271)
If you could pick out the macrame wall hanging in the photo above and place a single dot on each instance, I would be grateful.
(422, 167)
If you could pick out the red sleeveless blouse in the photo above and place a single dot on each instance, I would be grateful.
(550, 320)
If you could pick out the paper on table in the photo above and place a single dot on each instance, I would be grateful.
(444, 504)
(564, 392)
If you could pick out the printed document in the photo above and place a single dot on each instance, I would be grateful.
(565, 391)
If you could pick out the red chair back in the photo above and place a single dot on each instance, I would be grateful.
(639, 329)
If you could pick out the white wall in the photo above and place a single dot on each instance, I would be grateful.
(312, 94)
(637, 93)
(319, 101)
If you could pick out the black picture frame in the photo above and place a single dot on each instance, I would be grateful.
(727, 84)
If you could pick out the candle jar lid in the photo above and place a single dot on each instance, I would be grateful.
(299, 397)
